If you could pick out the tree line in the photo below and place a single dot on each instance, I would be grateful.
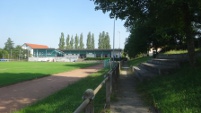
(168, 24)
(77, 41)
(10, 51)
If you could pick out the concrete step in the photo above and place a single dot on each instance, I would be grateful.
(142, 73)
(158, 69)
(167, 62)
(177, 57)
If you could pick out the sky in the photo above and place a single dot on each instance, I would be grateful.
(42, 21)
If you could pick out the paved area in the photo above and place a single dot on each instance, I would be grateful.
(129, 101)
(17, 96)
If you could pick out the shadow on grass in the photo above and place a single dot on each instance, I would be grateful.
(81, 64)
(7, 78)
(17, 96)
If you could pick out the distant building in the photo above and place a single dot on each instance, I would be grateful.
(93, 53)
(36, 52)
(32, 47)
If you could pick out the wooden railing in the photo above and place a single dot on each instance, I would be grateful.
(110, 82)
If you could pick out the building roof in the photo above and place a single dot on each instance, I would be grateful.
(91, 50)
(36, 46)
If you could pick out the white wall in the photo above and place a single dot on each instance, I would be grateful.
(67, 58)
(116, 54)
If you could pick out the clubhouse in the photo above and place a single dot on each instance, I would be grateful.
(39, 52)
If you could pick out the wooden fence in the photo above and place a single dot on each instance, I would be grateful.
(110, 82)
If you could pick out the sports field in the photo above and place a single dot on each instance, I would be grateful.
(13, 72)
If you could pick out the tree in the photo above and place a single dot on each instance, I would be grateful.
(3, 53)
(140, 37)
(68, 42)
(76, 42)
(17, 52)
(89, 41)
(104, 41)
(72, 43)
(92, 42)
(179, 15)
(100, 42)
(81, 41)
(107, 41)
(9, 45)
(62, 41)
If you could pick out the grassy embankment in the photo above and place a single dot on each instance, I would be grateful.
(175, 93)
(137, 61)
(14, 72)
(68, 99)
(180, 51)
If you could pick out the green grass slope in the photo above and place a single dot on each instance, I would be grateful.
(175, 93)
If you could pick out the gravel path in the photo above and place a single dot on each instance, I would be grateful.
(129, 101)
(17, 96)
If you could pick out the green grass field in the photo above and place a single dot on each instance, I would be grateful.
(68, 99)
(14, 72)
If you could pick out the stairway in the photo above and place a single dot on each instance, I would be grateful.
(163, 64)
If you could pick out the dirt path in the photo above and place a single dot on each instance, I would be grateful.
(129, 101)
(17, 96)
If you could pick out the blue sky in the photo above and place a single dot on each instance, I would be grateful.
(42, 21)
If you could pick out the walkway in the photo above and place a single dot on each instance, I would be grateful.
(129, 101)
(17, 96)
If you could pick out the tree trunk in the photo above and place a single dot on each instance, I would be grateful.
(189, 34)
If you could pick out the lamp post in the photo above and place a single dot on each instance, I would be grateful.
(119, 39)
(113, 40)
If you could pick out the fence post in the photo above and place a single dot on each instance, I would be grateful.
(108, 92)
(111, 82)
(114, 78)
(89, 94)
(119, 69)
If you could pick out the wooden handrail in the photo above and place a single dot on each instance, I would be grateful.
(82, 106)
(100, 85)
(89, 94)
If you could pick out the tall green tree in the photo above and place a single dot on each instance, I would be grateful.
(92, 42)
(100, 41)
(76, 42)
(89, 41)
(68, 42)
(72, 43)
(62, 41)
(104, 41)
(107, 41)
(81, 42)
(9, 45)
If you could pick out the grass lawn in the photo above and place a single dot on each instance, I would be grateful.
(14, 72)
(180, 51)
(137, 61)
(68, 99)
